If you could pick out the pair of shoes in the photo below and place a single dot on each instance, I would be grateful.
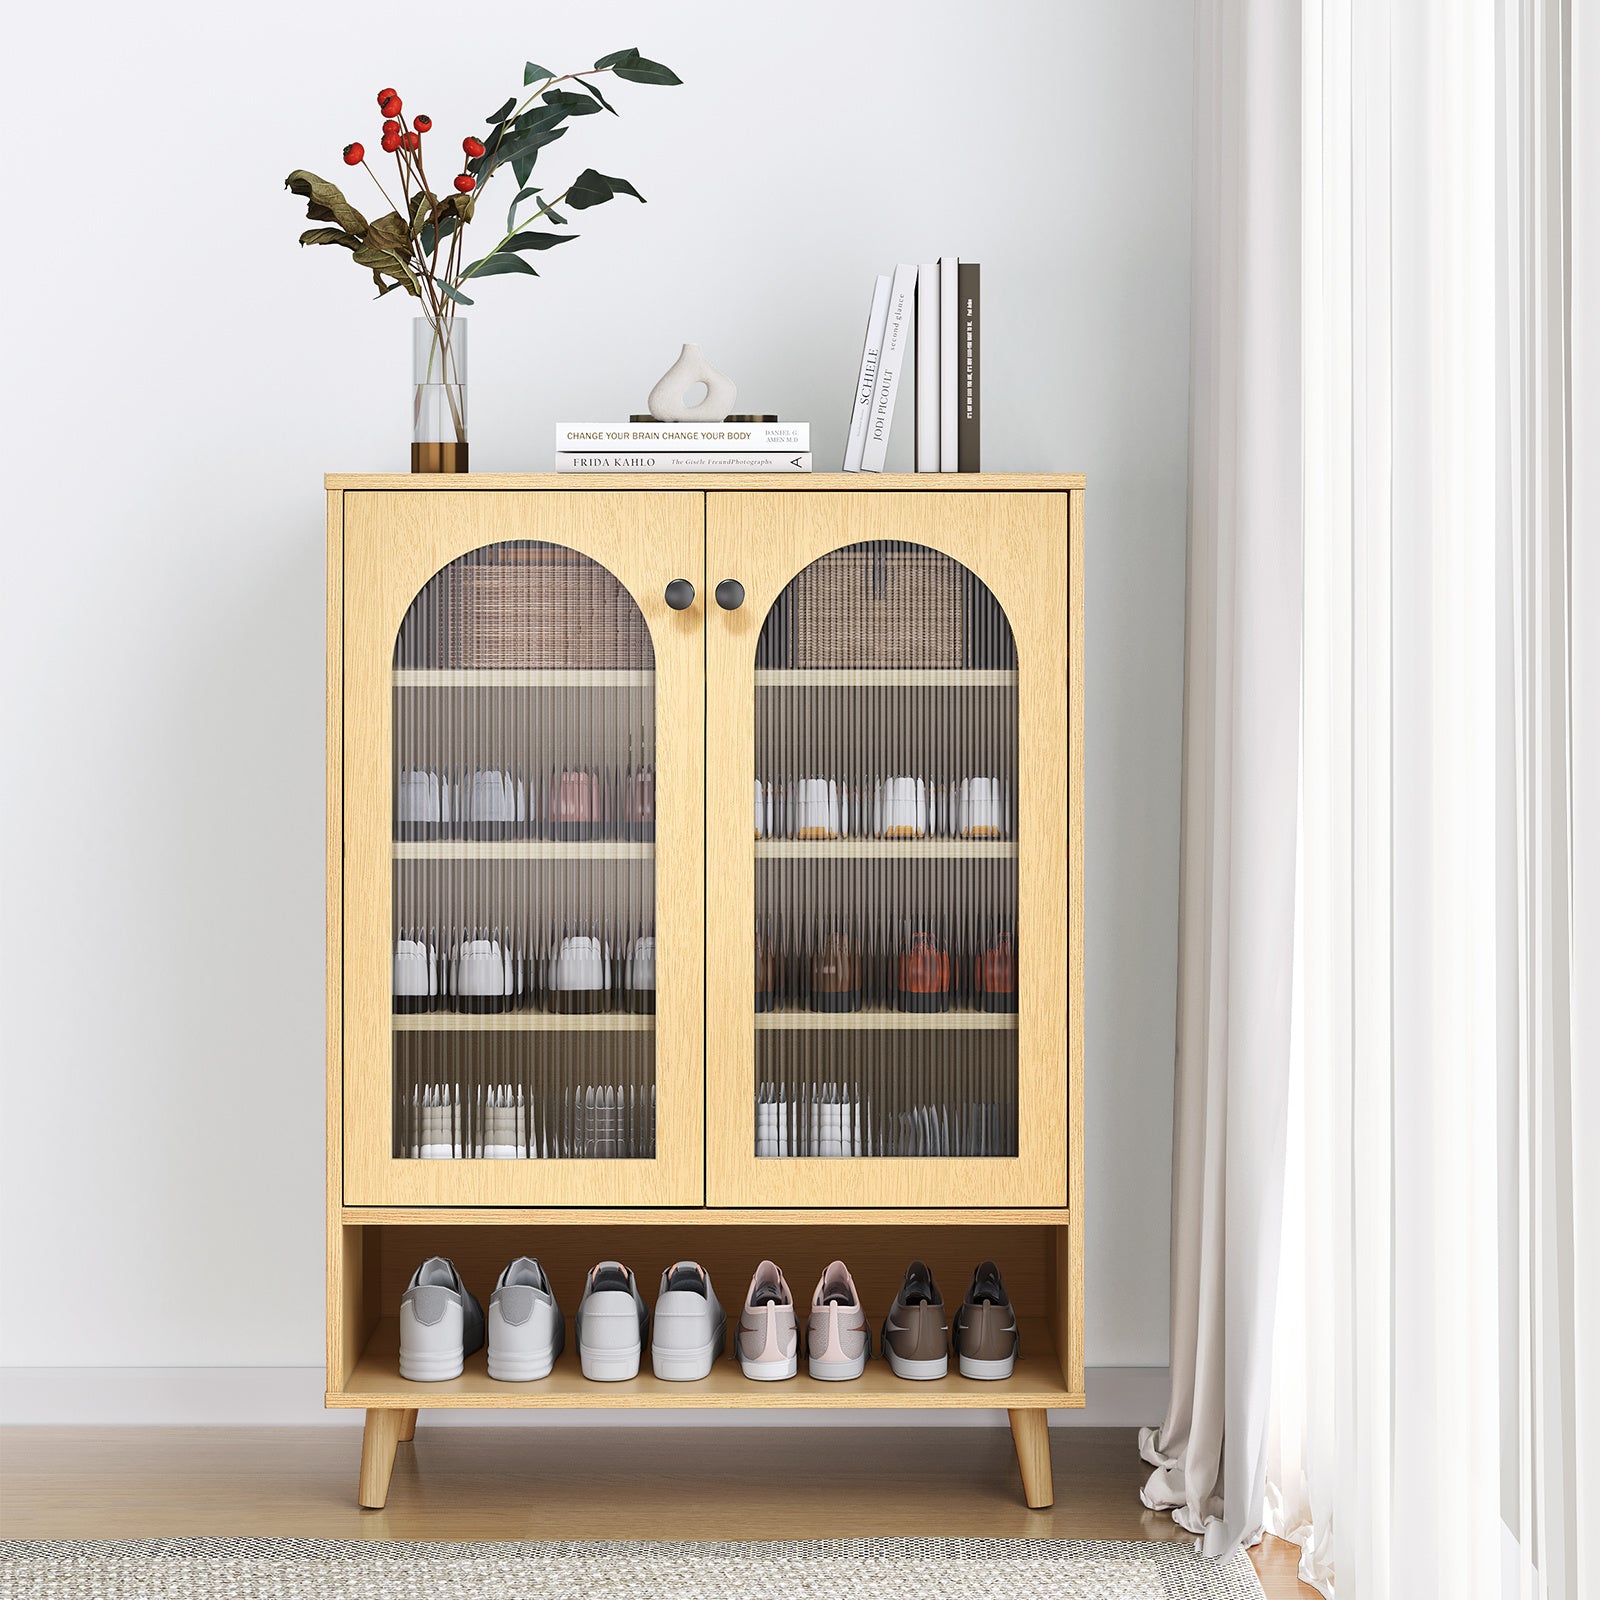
(917, 1339)
(837, 1338)
(442, 1323)
(691, 1328)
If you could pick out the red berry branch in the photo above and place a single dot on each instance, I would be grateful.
(418, 244)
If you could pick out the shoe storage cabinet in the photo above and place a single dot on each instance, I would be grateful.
(705, 881)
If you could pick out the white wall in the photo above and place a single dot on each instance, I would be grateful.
(178, 377)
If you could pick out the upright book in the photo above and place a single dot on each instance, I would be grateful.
(968, 369)
(896, 346)
(927, 369)
(949, 270)
(867, 378)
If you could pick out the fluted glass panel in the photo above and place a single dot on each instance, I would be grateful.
(884, 799)
(524, 805)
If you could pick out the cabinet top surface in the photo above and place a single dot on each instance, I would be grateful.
(726, 482)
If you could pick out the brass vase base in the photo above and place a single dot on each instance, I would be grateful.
(439, 457)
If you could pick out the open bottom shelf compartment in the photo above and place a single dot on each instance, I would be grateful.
(376, 1382)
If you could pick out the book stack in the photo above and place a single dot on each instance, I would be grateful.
(643, 445)
(926, 316)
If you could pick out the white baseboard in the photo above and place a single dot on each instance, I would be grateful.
(1119, 1397)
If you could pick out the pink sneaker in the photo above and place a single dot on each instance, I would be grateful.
(769, 1337)
(837, 1338)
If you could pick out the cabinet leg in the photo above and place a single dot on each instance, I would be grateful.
(378, 1443)
(1030, 1433)
(408, 1426)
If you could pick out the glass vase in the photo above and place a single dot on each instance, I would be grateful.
(439, 395)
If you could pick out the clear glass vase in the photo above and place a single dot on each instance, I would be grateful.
(439, 395)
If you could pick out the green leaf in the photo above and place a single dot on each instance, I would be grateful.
(327, 204)
(330, 236)
(504, 112)
(454, 293)
(518, 142)
(639, 70)
(583, 83)
(538, 241)
(493, 266)
(522, 194)
(575, 105)
(534, 73)
(616, 56)
(591, 188)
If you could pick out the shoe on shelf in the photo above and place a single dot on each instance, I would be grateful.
(769, 1336)
(691, 1328)
(612, 1319)
(441, 1323)
(838, 1340)
(916, 1336)
(985, 1337)
(526, 1328)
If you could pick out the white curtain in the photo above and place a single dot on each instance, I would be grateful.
(1241, 696)
(1439, 1293)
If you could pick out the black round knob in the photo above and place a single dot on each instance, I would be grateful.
(730, 594)
(680, 594)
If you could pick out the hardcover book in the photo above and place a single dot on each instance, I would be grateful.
(683, 436)
(896, 346)
(690, 461)
(949, 274)
(968, 368)
(927, 369)
(867, 378)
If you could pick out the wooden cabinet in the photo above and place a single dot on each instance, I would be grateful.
(705, 880)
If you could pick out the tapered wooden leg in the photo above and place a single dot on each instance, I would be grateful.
(1030, 1433)
(408, 1426)
(377, 1455)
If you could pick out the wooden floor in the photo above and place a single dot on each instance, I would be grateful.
(578, 1483)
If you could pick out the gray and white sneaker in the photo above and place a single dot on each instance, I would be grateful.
(441, 1324)
(612, 1320)
(691, 1328)
(526, 1328)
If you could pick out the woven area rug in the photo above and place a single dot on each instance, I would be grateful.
(829, 1569)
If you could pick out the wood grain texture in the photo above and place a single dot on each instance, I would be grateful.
(1018, 545)
(376, 1383)
(408, 1426)
(1030, 1433)
(394, 543)
(820, 1218)
(855, 483)
(1073, 1268)
(341, 1347)
(539, 1481)
(378, 1440)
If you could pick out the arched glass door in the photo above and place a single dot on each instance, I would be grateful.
(523, 860)
(892, 694)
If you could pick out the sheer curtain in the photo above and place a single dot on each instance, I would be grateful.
(1437, 1294)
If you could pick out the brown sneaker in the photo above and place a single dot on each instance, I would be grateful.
(985, 1336)
(916, 1336)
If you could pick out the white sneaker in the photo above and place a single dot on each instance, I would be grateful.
(526, 1328)
(440, 1323)
(612, 1319)
(691, 1328)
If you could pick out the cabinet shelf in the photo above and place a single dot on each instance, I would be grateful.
(522, 1022)
(901, 849)
(883, 677)
(376, 1381)
(905, 1021)
(520, 678)
(523, 850)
